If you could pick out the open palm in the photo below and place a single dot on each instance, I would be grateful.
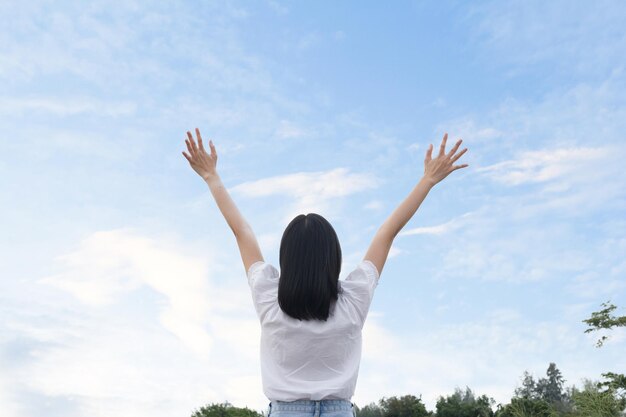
(203, 163)
(439, 168)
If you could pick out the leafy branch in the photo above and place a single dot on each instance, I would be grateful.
(604, 320)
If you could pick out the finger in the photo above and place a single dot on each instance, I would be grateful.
(453, 150)
(429, 153)
(457, 156)
(199, 139)
(188, 142)
(193, 143)
(455, 167)
(442, 148)
(185, 155)
(213, 151)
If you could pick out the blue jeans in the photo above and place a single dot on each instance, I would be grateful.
(311, 408)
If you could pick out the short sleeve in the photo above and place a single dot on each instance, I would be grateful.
(359, 287)
(263, 281)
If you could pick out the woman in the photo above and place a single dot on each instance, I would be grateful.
(311, 321)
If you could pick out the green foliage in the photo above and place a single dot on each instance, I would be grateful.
(615, 381)
(604, 320)
(224, 410)
(615, 384)
(528, 388)
(464, 404)
(550, 390)
(405, 406)
(527, 407)
(591, 402)
(370, 410)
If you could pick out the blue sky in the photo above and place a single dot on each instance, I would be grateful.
(122, 291)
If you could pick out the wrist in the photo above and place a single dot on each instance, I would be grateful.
(209, 178)
(429, 182)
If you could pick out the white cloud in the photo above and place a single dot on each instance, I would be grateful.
(395, 251)
(562, 153)
(465, 128)
(570, 181)
(561, 34)
(550, 164)
(606, 278)
(287, 130)
(10, 405)
(438, 229)
(279, 8)
(312, 191)
(148, 332)
(110, 49)
(65, 106)
(108, 264)
(114, 365)
(374, 205)
(414, 147)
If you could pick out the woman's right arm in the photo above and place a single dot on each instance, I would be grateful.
(435, 170)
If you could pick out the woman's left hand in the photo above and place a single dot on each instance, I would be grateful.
(203, 163)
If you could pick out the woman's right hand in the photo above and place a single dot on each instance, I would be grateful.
(437, 169)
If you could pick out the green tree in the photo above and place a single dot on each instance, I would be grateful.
(405, 406)
(527, 407)
(614, 384)
(224, 410)
(370, 410)
(604, 320)
(553, 386)
(591, 402)
(550, 389)
(464, 404)
(528, 388)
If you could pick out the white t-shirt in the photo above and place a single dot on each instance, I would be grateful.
(314, 359)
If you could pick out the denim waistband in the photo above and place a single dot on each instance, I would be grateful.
(311, 405)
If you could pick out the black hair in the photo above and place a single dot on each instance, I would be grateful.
(310, 263)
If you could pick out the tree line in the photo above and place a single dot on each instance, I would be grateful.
(536, 397)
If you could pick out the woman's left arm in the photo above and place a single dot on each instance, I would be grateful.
(206, 166)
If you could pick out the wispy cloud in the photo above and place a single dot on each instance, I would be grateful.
(438, 229)
(279, 8)
(549, 164)
(288, 130)
(110, 263)
(584, 42)
(10, 405)
(312, 191)
(147, 319)
(65, 106)
(465, 128)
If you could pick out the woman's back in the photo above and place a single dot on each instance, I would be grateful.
(312, 359)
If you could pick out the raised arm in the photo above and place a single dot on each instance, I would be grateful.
(205, 165)
(435, 170)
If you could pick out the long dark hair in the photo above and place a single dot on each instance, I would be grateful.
(310, 263)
